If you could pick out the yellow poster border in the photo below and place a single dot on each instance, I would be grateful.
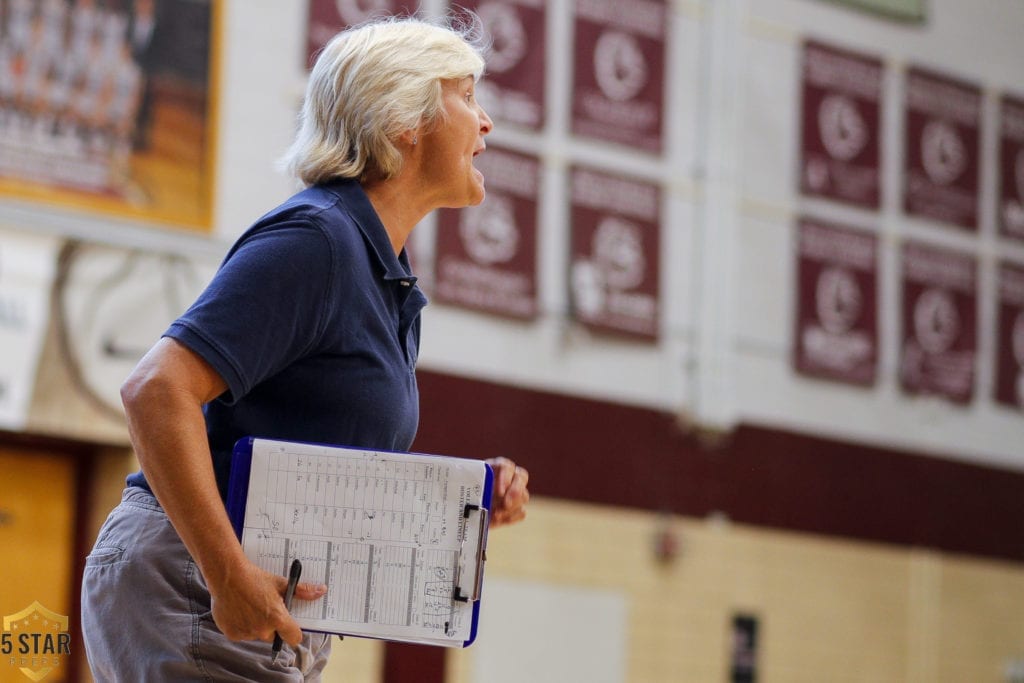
(98, 206)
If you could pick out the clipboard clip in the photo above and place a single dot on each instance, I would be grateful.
(481, 555)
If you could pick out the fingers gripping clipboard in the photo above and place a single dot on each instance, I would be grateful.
(399, 539)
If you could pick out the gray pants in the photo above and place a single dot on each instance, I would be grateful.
(146, 611)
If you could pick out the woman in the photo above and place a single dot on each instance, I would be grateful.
(310, 332)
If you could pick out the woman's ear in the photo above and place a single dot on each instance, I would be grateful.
(410, 137)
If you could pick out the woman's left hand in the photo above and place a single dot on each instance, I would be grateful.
(508, 505)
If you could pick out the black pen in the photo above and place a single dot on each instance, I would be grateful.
(293, 581)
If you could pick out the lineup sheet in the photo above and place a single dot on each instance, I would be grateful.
(385, 532)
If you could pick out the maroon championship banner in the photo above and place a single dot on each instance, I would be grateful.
(486, 255)
(939, 321)
(841, 136)
(327, 17)
(1011, 168)
(943, 129)
(512, 89)
(614, 253)
(836, 319)
(1009, 380)
(619, 74)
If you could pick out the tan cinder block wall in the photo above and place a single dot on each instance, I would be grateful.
(830, 609)
(355, 660)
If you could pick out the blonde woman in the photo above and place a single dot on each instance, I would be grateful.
(309, 331)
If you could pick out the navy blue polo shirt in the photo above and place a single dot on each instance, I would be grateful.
(313, 322)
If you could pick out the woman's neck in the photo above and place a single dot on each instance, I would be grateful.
(398, 205)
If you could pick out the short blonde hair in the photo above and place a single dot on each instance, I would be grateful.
(370, 84)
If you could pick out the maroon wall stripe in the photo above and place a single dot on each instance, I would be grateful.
(598, 452)
(420, 663)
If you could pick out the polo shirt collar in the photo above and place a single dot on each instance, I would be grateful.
(365, 217)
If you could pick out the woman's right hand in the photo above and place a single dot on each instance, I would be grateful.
(249, 604)
(163, 399)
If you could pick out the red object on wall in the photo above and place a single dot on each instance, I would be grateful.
(404, 662)
(1011, 168)
(619, 74)
(939, 322)
(836, 334)
(614, 253)
(1009, 365)
(841, 140)
(943, 131)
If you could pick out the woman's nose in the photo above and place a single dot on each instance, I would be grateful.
(486, 125)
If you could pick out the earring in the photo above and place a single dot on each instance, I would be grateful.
(415, 140)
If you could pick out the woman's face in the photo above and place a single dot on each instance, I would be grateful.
(449, 147)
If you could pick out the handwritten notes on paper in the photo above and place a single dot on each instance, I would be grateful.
(386, 532)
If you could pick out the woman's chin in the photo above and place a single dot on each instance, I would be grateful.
(478, 191)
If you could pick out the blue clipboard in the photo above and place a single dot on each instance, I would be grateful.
(238, 496)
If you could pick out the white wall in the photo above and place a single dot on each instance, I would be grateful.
(730, 201)
(262, 80)
(978, 41)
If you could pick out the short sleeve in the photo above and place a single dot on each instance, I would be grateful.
(264, 308)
